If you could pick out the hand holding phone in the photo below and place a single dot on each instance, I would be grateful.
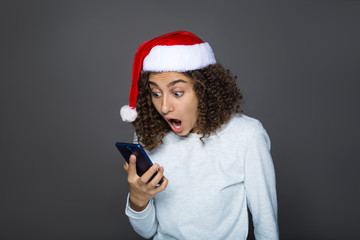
(143, 162)
(142, 189)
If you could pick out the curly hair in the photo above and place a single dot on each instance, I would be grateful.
(218, 96)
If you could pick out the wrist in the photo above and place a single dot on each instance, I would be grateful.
(138, 205)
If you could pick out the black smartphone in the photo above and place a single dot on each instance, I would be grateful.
(143, 162)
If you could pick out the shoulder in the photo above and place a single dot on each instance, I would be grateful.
(245, 129)
(244, 124)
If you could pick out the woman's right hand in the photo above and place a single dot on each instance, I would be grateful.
(141, 191)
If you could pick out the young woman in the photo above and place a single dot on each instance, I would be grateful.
(185, 109)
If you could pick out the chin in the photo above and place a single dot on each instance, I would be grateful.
(182, 133)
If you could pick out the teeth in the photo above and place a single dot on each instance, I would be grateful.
(176, 124)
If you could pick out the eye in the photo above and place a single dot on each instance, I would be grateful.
(178, 93)
(156, 94)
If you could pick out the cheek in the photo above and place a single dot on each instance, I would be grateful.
(156, 104)
(195, 104)
(193, 110)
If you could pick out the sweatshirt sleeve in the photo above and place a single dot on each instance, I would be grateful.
(144, 222)
(260, 185)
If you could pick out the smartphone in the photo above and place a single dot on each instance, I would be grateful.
(143, 162)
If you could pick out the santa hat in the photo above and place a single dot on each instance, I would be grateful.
(177, 51)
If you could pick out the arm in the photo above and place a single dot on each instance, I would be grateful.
(144, 222)
(140, 207)
(260, 186)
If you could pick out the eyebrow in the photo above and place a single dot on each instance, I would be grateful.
(170, 84)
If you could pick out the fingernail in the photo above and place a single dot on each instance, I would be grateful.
(155, 166)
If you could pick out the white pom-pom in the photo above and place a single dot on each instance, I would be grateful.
(128, 114)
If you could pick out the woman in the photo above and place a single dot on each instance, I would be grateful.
(185, 109)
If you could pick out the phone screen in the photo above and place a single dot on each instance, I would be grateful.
(143, 162)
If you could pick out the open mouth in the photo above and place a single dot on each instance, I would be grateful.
(175, 124)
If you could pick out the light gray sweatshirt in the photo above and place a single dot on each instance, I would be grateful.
(211, 185)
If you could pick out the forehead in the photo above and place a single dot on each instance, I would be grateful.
(167, 77)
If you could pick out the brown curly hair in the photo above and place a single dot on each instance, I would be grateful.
(218, 97)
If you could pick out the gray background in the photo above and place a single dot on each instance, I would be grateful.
(65, 72)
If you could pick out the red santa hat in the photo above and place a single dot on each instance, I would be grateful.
(177, 51)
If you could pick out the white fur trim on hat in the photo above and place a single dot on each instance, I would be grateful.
(128, 114)
(179, 58)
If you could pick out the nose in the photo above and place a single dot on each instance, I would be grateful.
(166, 105)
